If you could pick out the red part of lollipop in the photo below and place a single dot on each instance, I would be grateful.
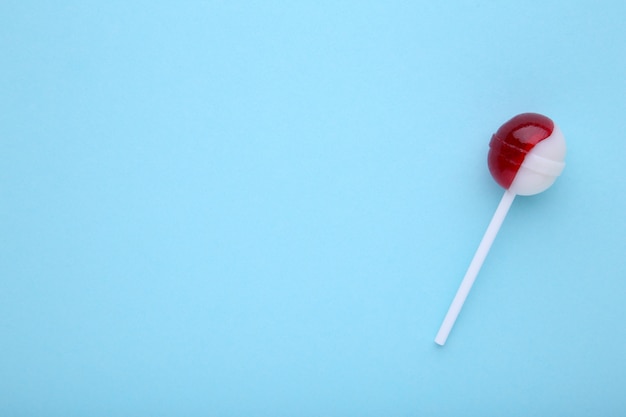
(510, 144)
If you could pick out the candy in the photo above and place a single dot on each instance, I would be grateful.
(526, 156)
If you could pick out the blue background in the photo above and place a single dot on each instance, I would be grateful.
(265, 208)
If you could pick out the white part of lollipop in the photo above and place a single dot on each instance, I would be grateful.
(475, 265)
(541, 166)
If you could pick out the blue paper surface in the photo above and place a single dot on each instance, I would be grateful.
(265, 209)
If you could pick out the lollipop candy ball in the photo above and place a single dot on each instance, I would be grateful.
(527, 154)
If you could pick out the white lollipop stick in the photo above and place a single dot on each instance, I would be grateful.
(472, 271)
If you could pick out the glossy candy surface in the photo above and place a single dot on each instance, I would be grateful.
(527, 154)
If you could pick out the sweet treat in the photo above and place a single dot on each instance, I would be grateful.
(526, 155)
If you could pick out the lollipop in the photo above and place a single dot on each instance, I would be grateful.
(526, 156)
